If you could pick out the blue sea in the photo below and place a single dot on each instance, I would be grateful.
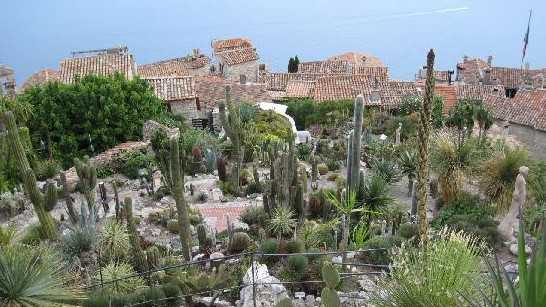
(38, 34)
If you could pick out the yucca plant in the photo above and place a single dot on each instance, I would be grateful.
(114, 241)
(386, 168)
(498, 176)
(282, 223)
(32, 276)
(408, 167)
(114, 271)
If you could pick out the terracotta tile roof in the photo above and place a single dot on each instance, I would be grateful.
(215, 214)
(41, 77)
(478, 91)
(340, 87)
(173, 88)
(238, 56)
(102, 65)
(376, 72)
(471, 70)
(388, 94)
(325, 67)
(210, 90)
(441, 76)
(300, 89)
(276, 95)
(358, 59)
(279, 81)
(230, 44)
(170, 69)
(527, 108)
(448, 94)
(514, 77)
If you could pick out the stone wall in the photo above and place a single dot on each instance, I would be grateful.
(187, 108)
(249, 69)
(535, 140)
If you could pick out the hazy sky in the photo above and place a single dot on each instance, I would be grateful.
(38, 34)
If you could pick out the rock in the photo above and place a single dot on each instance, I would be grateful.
(267, 295)
(155, 232)
(216, 255)
(150, 127)
(337, 259)
(351, 255)
(194, 249)
(514, 249)
(367, 283)
(310, 301)
(240, 225)
(198, 257)
(206, 301)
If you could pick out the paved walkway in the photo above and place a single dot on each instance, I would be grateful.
(215, 213)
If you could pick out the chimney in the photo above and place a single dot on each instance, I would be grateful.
(489, 60)
(449, 74)
(242, 79)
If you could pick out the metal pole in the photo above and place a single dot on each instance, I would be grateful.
(100, 269)
(253, 282)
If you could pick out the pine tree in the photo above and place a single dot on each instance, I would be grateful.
(296, 64)
(291, 65)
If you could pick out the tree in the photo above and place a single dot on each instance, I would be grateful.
(296, 63)
(291, 65)
(485, 121)
(438, 112)
(461, 117)
(423, 136)
(408, 165)
(91, 115)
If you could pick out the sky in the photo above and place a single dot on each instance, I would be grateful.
(37, 34)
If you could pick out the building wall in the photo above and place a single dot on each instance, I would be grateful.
(534, 140)
(202, 71)
(187, 108)
(249, 69)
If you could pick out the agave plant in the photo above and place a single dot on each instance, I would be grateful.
(386, 168)
(282, 222)
(114, 241)
(31, 276)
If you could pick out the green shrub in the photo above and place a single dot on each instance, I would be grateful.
(240, 242)
(254, 215)
(46, 169)
(253, 188)
(378, 242)
(322, 168)
(172, 225)
(298, 263)
(270, 246)
(333, 165)
(78, 240)
(118, 270)
(152, 296)
(104, 170)
(295, 246)
(33, 234)
(172, 293)
(130, 163)
(304, 151)
(408, 231)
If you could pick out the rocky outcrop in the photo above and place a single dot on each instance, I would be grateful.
(267, 295)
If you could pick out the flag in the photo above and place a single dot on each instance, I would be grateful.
(526, 38)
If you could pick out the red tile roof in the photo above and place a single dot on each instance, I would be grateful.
(471, 70)
(340, 87)
(173, 88)
(478, 91)
(279, 81)
(238, 56)
(230, 44)
(388, 94)
(211, 90)
(300, 89)
(102, 65)
(448, 94)
(41, 77)
(513, 77)
(325, 67)
(527, 108)
(358, 59)
(173, 67)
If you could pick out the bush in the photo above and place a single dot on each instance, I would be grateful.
(46, 169)
(381, 256)
(298, 263)
(434, 275)
(295, 246)
(239, 243)
(408, 231)
(304, 151)
(172, 225)
(172, 293)
(130, 163)
(118, 270)
(254, 215)
(270, 246)
(315, 204)
(254, 188)
(333, 164)
(322, 168)
(79, 240)
(90, 115)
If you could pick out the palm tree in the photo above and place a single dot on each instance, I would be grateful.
(408, 166)
(31, 276)
(485, 121)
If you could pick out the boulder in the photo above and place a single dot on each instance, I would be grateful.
(267, 295)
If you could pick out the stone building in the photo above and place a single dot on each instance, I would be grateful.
(196, 64)
(523, 117)
(237, 60)
(41, 77)
(7, 81)
(104, 62)
(179, 95)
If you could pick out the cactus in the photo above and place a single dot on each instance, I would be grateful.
(116, 198)
(51, 195)
(221, 166)
(206, 239)
(423, 136)
(299, 203)
(177, 178)
(255, 174)
(68, 200)
(353, 154)
(87, 175)
(286, 302)
(329, 296)
(38, 199)
(234, 130)
(314, 169)
(137, 255)
(153, 257)
(239, 242)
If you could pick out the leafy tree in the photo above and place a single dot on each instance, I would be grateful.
(291, 65)
(438, 112)
(91, 115)
(461, 117)
(410, 104)
(484, 119)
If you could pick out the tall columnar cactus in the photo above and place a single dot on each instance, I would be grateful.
(68, 200)
(234, 129)
(329, 296)
(38, 199)
(299, 203)
(206, 238)
(353, 158)
(87, 175)
(314, 169)
(137, 255)
(153, 257)
(284, 177)
(176, 174)
(423, 136)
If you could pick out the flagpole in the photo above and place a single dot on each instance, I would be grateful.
(526, 38)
